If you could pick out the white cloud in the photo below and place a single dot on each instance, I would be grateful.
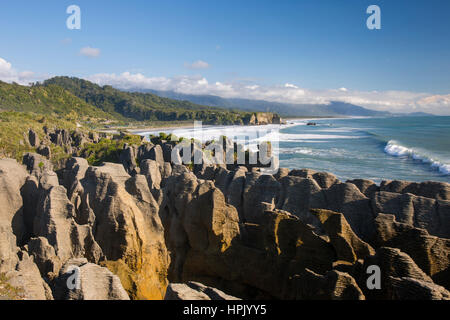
(199, 64)
(394, 101)
(90, 52)
(9, 74)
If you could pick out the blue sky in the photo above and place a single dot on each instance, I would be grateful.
(293, 51)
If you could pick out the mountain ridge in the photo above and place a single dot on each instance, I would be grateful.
(335, 108)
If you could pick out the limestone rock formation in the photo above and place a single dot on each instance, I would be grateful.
(33, 138)
(432, 254)
(195, 291)
(413, 289)
(54, 221)
(347, 245)
(334, 285)
(80, 280)
(392, 263)
(12, 226)
(428, 189)
(129, 231)
(425, 213)
(26, 278)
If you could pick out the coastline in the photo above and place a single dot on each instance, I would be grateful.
(295, 228)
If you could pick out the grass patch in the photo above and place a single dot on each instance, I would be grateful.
(14, 127)
(108, 150)
(7, 291)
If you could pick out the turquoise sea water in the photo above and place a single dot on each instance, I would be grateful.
(399, 148)
(404, 148)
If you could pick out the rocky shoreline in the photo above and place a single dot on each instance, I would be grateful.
(147, 229)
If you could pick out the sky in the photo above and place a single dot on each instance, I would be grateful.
(296, 51)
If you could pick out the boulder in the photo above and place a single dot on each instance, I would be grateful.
(259, 188)
(151, 170)
(323, 179)
(45, 151)
(195, 291)
(45, 257)
(414, 289)
(25, 277)
(235, 191)
(392, 263)
(128, 159)
(367, 187)
(33, 138)
(420, 212)
(167, 151)
(298, 195)
(430, 253)
(334, 285)
(282, 172)
(349, 247)
(81, 280)
(36, 164)
(428, 189)
(156, 154)
(347, 199)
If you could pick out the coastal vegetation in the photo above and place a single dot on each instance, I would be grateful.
(77, 104)
(144, 106)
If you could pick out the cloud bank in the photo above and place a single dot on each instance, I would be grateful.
(394, 101)
(9, 74)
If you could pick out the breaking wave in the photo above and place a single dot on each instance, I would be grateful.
(397, 150)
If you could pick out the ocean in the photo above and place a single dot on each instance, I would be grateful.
(397, 148)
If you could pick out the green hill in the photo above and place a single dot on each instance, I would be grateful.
(144, 106)
(48, 100)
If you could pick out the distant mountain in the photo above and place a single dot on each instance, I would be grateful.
(335, 108)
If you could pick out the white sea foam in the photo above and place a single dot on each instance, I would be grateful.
(288, 137)
(397, 150)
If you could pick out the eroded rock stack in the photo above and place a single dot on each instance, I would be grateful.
(215, 233)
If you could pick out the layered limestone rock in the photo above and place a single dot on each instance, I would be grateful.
(413, 289)
(299, 234)
(12, 226)
(206, 244)
(348, 246)
(393, 263)
(27, 280)
(323, 179)
(432, 254)
(300, 194)
(195, 291)
(425, 213)
(128, 229)
(258, 189)
(54, 221)
(428, 189)
(334, 285)
(16, 264)
(80, 280)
